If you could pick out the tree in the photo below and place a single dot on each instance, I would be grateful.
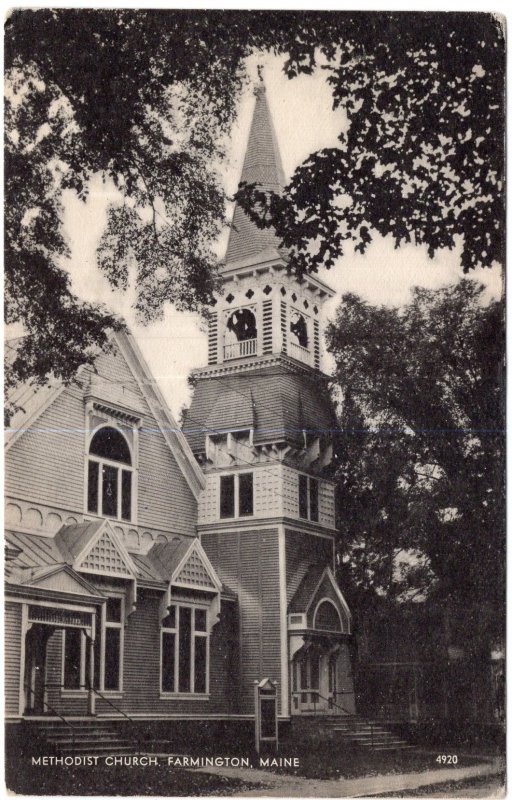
(421, 455)
(145, 98)
(422, 160)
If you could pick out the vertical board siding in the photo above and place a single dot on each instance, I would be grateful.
(304, 550)
(12, 656)
(248, 563)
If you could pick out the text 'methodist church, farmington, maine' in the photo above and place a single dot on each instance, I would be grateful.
(156, 573)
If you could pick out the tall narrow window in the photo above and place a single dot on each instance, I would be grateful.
(109, 487)
(245, 494)
(113, 644)
(73, 658)
(184, 651)
(303, 496)
(227, 496)
(308, 498)
(313, 500)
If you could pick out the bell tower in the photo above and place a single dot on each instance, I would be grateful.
(260, 424)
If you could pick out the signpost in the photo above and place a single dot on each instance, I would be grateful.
(265, 712)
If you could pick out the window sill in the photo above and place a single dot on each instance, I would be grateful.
(74, 692)
(183, 696)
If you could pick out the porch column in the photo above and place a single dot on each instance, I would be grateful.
(91, 698)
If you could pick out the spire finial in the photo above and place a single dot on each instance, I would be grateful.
(260, 87)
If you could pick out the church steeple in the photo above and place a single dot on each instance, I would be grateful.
(262, 166)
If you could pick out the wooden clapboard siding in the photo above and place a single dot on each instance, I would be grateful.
(304, 550)
(46, 464)
(248, 563)
(12, 658)
(141, 679)
(165, 499)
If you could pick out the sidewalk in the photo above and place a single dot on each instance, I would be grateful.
(293, 786)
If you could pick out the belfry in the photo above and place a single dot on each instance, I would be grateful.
(260, 425)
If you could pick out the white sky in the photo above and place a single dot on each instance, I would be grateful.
(304, 122)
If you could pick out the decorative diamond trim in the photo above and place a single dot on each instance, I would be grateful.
(105, 557)
(194, 572)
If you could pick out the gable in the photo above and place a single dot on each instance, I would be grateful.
(194, 573)
(63, 580)
(104, 557)
(328, 591)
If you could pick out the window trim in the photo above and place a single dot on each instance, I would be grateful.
(236, 504)
(120, 466)
(321, 602)
(309, 479)
(83, 657)
(191, 695)
(103, 640)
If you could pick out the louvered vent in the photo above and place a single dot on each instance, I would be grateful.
(267, 326)
(284, 331)
(316, 343)
(212, 338)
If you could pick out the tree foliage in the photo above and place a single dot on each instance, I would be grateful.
(422, 453)
(422, 159)
(146, 98)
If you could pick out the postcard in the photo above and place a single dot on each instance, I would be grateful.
(254, 465)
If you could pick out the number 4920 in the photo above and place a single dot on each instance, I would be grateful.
(447, 759)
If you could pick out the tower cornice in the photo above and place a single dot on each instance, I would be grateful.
(256, 364)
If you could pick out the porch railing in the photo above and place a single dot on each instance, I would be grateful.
(136, 737)
(56, 713)
(313, 696)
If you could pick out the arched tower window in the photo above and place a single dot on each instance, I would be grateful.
(241, 334)
(299, 329)
(109, 484)
(327, 617)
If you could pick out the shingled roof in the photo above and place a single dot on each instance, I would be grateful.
(280, 404)
(262, 166)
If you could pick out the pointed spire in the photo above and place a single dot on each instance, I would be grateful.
(262, 165)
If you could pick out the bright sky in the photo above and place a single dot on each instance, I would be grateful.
(304, 122)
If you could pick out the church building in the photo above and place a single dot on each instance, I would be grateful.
(157, 574)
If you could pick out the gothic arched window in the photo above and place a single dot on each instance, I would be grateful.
(327, 617)
(299, 329)
(109, 484)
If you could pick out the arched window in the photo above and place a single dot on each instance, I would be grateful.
(299, 329)
(327, 617)
(109, 486)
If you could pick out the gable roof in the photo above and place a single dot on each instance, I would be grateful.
(262, 166)
(315, 585)
(35, 401)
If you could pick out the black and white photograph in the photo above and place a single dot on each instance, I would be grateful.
(254, 403)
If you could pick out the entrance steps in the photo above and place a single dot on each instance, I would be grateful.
(85, 737)
(349, 728)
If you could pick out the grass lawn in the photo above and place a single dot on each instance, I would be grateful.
(23, 778)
